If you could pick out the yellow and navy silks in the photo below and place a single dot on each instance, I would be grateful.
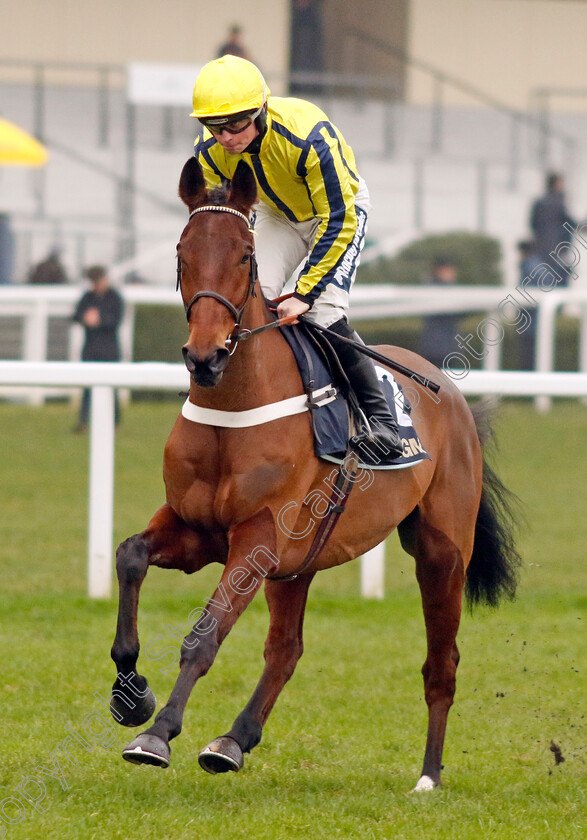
(305, 170)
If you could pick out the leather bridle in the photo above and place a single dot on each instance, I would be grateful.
(237, 313)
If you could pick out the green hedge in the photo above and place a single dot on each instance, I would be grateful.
(160, 333)
(477, 257)
(405, 332)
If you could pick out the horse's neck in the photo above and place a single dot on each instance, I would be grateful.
(262, 369)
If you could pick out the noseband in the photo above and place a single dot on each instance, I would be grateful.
(236, 313)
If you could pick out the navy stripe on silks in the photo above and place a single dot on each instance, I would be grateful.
(342, 273)
(314, 140)
(262, 178)
(201, 149)
(335, 201)
(269, 192)
(330, 129)
(305, 146)
(279, 128)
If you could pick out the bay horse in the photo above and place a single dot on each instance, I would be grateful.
(248, 497)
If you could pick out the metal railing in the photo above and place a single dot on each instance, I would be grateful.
(40, 76)
(35, 305)
(537, 125)
(540, 104)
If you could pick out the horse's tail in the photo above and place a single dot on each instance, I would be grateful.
(495, 563)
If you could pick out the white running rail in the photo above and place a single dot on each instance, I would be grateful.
(103, 377)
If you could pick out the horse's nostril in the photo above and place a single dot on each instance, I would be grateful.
(206, 372)
(189, 361)
(218, 360)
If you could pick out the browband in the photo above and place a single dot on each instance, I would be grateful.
(218, 209)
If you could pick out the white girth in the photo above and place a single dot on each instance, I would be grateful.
(255, 416)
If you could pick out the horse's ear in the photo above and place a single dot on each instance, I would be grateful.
(192, 186)
(243, 187)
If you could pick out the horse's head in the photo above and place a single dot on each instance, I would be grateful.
(216, 267)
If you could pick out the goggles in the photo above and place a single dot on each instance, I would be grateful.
(233, 125)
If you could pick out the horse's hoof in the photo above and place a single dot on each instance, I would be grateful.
(425, 783)
(148, 749)
(140, 712)
(221, 755)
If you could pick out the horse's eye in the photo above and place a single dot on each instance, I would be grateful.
(246, 258)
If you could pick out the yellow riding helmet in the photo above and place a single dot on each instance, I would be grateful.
(227, 86)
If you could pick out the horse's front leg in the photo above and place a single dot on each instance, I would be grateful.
(283, 648)
(167, 542)
(251, 558)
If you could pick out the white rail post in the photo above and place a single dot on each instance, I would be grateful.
(373, 572)
(545, 346)
(36, 332)
(101, 492)
(492, 360)
(583, 344)
(492, 347)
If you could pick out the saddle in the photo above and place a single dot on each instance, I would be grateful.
(334, 408)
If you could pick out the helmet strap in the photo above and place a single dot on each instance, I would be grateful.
(261, 121)
(254, 146)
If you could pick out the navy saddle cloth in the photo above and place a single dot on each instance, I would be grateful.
(330, 412)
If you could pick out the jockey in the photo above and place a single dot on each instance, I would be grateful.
(312, 209)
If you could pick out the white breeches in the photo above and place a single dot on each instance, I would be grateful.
(282, 248)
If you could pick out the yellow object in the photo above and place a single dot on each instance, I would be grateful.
(17, 148)
(227, 86)
(304, 170)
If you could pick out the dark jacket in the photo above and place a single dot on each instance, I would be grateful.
(101, 344)
(547, 218)
(439, 333)
(48, 271)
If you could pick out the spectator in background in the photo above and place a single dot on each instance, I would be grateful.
(50, 270)
(100, 312)
(6, 250)
(529, 260)
(306, 45)
(233, 45)
(439, 331)
(547, 218)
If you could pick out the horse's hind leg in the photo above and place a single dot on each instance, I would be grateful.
(167, 542)
(440, 572)
(283, 648)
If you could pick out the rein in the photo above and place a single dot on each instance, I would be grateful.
(378, 357)
(362, 348)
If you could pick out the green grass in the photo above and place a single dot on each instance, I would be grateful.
(344, 744)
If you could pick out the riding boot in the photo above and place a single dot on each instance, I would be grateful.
(382, 432)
